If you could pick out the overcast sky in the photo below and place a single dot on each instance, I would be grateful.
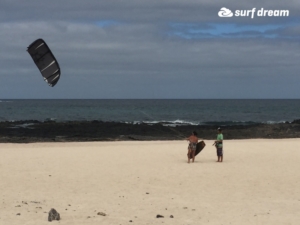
(151, 49)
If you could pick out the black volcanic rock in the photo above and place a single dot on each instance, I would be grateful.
(49, 131)
(296, 121)
(53, 215)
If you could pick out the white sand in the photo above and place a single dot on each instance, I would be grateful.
(258, 183)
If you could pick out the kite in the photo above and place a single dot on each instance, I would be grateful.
(45, 61)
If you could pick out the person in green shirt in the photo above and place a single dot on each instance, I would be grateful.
(219, 145)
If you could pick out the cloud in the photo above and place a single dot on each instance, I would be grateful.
(153, 49)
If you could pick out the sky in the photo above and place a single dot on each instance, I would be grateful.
(158, 49)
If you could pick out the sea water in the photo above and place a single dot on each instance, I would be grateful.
(166, 111)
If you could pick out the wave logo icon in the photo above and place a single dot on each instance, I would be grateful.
(224, 12)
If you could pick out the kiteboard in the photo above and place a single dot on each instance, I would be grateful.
(200, 146)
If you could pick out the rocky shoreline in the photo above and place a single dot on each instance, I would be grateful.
(75, 131)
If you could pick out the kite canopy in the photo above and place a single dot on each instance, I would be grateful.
(45, 61)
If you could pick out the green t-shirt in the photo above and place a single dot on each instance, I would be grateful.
(220, 138)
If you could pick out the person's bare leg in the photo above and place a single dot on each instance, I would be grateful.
(221, 158)
(188, 155)
(193, 153)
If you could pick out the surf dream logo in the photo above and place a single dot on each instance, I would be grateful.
(224, 12)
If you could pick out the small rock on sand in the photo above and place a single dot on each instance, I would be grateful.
(53, 215)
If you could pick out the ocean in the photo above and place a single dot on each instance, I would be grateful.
(151, 111)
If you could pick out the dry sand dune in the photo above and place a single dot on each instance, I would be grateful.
(258, 183)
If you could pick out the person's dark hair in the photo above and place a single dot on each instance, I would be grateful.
(195, 133)
(219, 129)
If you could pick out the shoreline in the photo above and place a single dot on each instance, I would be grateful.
(30, 131)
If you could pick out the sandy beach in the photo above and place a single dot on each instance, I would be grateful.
(134, 181)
